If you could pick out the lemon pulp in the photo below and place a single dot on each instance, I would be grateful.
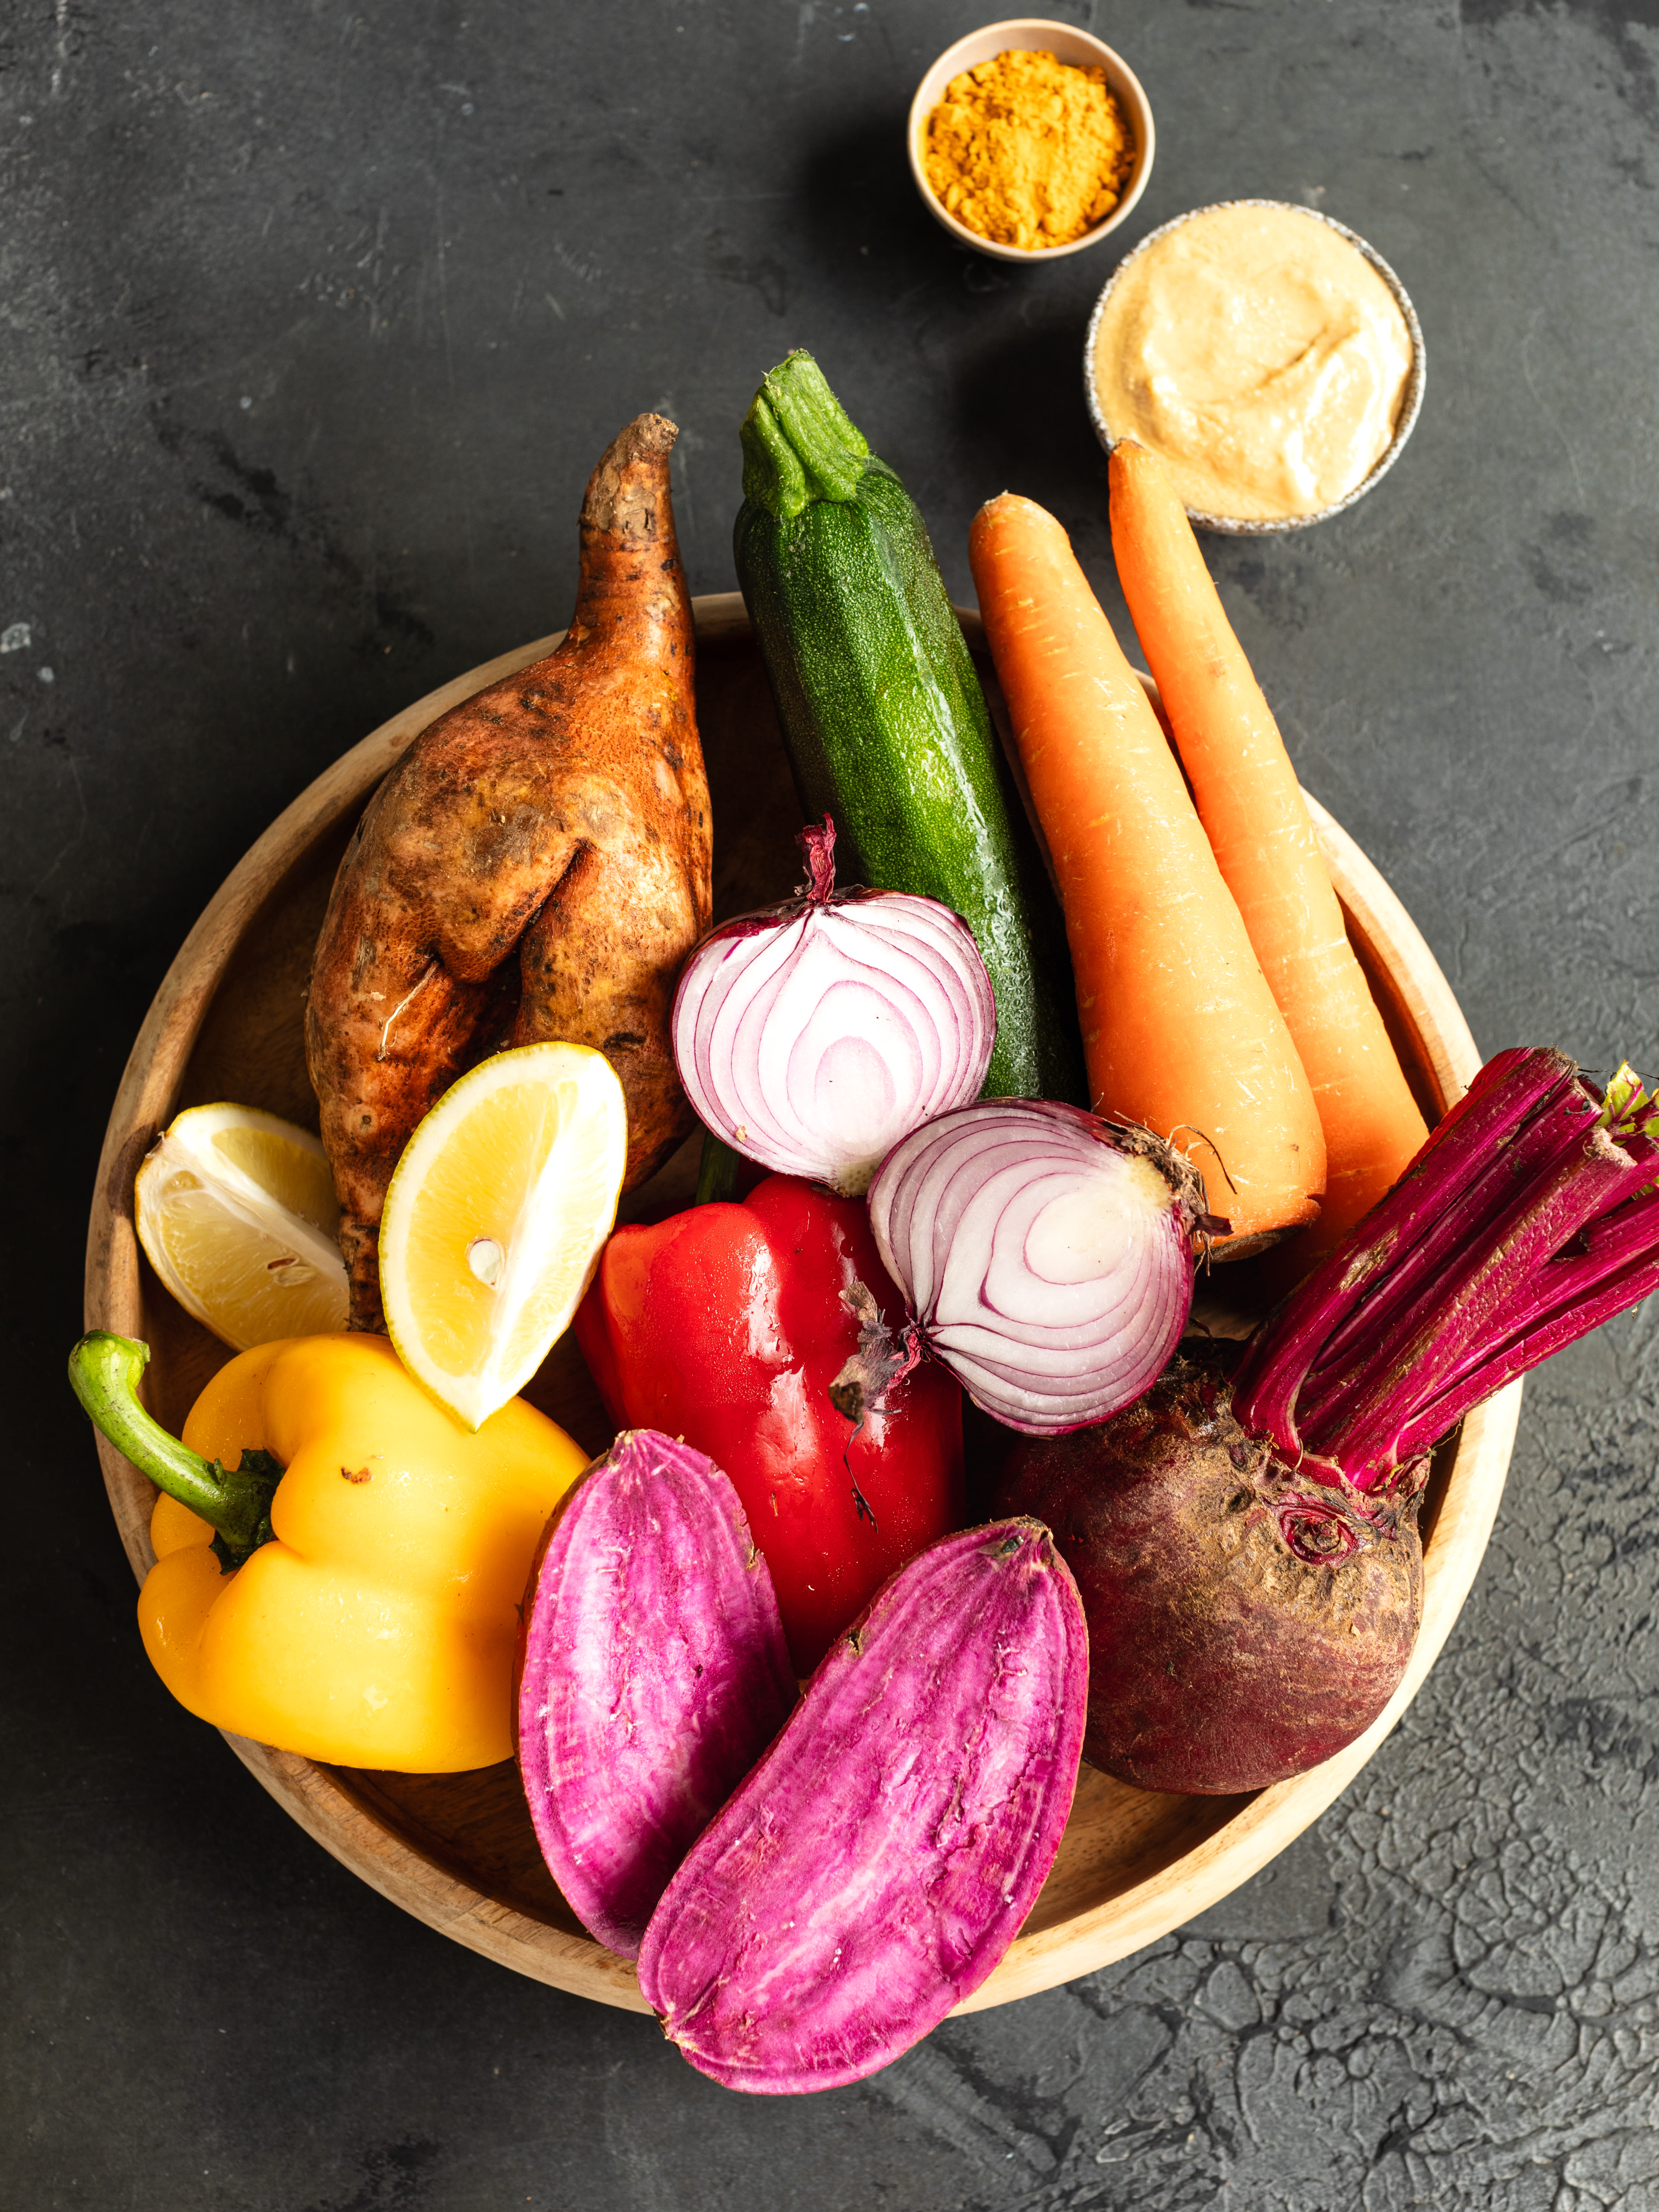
(496, 1218)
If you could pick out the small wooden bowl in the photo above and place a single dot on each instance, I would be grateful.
(457, 1850)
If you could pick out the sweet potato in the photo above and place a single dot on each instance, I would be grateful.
(653, 1672)
(878, 1862)
(535, 867)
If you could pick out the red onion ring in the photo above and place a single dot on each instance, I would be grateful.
(814, 1035)
(1047, 1255)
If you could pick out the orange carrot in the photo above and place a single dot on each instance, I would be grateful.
(1180, 1030)
(1252, 808)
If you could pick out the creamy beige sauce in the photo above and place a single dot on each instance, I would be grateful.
(1260, 355)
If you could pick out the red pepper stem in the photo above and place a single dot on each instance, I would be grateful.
(717, 1172)
(104, 1371)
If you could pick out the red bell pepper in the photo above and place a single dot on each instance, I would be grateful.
(726, 1325)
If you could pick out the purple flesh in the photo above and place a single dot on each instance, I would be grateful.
(876, 1864)
(653, 1675)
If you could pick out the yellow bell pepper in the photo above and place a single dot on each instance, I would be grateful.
(359, 1602)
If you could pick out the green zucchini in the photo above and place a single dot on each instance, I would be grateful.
(883, 716)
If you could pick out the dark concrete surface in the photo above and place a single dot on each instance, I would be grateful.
(315, 317)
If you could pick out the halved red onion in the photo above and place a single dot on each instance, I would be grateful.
(1047, 1255)
(812, 1036)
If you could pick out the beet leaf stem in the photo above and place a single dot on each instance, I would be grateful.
(1529, 1217)
(1503, 1095)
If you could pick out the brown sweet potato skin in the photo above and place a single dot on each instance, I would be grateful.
(537, 866)
(1244, 1622)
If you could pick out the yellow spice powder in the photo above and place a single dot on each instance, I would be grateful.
(1029, 151)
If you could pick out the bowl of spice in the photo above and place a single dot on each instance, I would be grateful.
(1266, 353)
(1030, 138)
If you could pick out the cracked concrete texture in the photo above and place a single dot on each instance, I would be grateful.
(314, 325)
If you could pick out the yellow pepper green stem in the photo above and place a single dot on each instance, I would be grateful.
(376, 1623)
(103, 1371)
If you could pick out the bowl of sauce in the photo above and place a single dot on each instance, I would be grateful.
(1266, 353)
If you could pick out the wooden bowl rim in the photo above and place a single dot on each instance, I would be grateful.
(1136, 1914)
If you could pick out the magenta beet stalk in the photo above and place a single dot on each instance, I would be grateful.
(1529, 1217)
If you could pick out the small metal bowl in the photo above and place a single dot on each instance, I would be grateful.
(1234, 525)
(1031, 35)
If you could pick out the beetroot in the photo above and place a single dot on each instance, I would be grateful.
(653, 1674)
(1248, 1551)
(879, 1861)
(1242, 1625)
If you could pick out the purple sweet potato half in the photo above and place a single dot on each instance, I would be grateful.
(653, 1672)
(878, 1862)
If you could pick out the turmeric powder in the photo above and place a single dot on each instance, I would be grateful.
(1028, 150)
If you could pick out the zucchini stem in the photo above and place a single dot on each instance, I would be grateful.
(717, 1172)
(800, 444)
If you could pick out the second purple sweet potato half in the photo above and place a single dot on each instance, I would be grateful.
(876, 1865)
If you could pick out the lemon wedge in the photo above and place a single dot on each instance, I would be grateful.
(235, 1210)
(496, 1218)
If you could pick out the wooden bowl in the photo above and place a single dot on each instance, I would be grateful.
(457, 1850)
